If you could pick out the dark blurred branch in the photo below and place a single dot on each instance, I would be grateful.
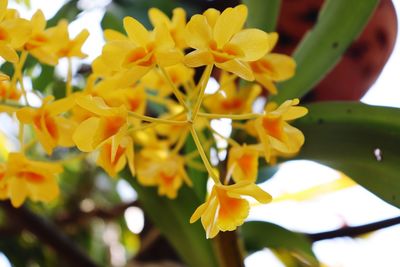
(48, 234)
(80, 216)
(354, 231)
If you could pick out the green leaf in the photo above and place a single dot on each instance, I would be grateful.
(172, 218)
(263, 14)
(360, 140)
(339, 23)
(68, 11)
(258, 235)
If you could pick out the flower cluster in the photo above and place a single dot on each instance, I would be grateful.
(142, 102)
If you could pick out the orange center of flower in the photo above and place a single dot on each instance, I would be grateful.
(273, 126)
(31, 176)
(49, 124)
(36, 41)
(228, 52)
(262, 66)
(3, 34)
(134, 103)
(232, 104)
(229, 206)
(245, 162)
(167, 179)
(112, 126)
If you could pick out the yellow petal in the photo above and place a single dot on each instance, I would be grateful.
(8, 53)
(84, 134)
(112, 35)
(61, 105)
(136, 31)
(157, 17)
(253, 43)
(237, 67)
(38, 21)
(18, 191)
(228, 23)
(163, 38)
(169, 58)
(252, 190)
(198, 58)
(212, 15)
(25, 115)
(3, 8)
(198, 32)
(283, 67)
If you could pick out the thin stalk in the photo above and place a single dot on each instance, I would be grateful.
(246, 116)
(68, 85)
(21, 136)
(203, 156)
(201, 89)
(156, 120)
(175, 90)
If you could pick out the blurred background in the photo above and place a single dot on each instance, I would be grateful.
(104, 215)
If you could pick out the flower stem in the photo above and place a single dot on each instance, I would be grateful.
(18, 75)
(68, 85)
(246, 116)
(175, 90)
(156, 120)
(21, 136)
(203, 156)
(201, 89)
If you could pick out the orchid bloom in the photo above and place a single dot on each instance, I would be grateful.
(225, 209)
(219, 39)
(24, 178)
(50, 128)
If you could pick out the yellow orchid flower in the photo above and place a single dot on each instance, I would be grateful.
(9, 92)
(176, 25)
(276, 134)
(138, 52)
(273, 67)
(114, 157)
(225, 209)
(158, 167)
(14, 32)
(219, 39)
(26, 178)
(243, 163)
(71, 47)
(43, 44)
(51, 129)
(3, 183)
(231, 100)
(106, 123)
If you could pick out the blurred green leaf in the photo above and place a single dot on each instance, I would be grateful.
(258, 235)
(265, 172)
(171, 217)
(338, 24)
(68, 11)
(360, 140)
(263, 14)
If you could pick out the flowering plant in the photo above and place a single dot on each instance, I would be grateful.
(144, 113)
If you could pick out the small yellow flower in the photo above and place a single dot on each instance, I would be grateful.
(243, 163)
(231, 100)
(158, 167)
(176, 25)
(114, 157)
(14, 32)
(139, 52)
(219, 39)
(71, 47)
(225, 209)
(273, 67)
(26, 178)
(50, 128)
(276, 134)
(105, 123)
(9, 92)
